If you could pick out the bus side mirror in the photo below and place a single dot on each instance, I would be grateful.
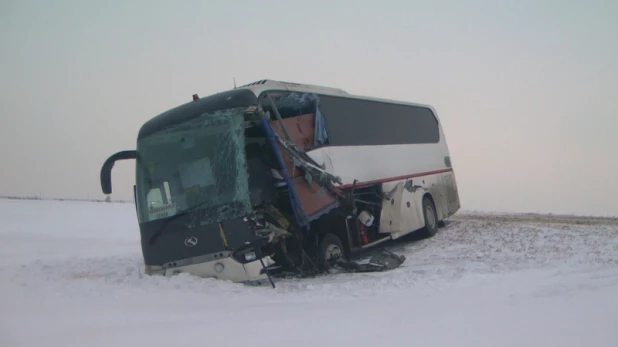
(106, 170)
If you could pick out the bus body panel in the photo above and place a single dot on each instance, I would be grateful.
(375, 164)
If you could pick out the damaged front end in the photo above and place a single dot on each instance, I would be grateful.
(312, 196)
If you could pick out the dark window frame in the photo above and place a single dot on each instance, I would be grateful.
(364, 131)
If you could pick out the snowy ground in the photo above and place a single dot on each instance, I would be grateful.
(70, 275)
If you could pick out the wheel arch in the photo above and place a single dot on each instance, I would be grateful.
(439, 207)
(422, 197)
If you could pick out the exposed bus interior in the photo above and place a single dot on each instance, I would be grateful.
(298, 219)
(288, 217)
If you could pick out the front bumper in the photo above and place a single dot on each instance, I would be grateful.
(224, 268)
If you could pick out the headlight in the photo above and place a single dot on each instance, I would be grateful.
(250, 256)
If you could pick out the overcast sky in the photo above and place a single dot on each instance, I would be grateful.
(527, 91)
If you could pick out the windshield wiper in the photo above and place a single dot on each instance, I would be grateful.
(158, 233)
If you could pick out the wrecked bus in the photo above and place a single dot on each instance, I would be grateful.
(274, 176)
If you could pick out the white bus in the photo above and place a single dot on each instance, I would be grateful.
(275, 176)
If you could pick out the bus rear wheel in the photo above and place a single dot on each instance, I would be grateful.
(431, 218)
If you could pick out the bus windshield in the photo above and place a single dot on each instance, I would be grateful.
(196, 165)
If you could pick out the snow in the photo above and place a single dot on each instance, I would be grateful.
(71, 275)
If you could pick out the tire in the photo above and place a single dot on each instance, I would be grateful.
(330, 248)
(431, 218)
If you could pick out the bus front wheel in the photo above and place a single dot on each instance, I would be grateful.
(329, 252)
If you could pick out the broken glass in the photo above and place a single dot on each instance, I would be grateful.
(296, 100)
(302, 103)
(197, 166)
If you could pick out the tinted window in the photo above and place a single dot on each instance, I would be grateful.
(353, 122)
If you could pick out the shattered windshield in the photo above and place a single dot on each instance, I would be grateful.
(199, 164)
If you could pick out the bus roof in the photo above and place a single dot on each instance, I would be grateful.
(247, 95)
(261, 86)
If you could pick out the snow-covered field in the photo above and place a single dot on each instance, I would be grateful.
(70, 275)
